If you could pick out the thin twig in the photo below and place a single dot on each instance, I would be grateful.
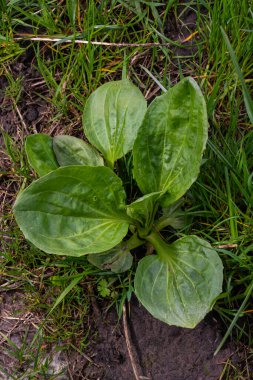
(85, 42)
(9, 333)
(20, 320)
(20, 117)
(83, 354)
(70, 374)
(227, 246)
(128, 343)
(98, 43)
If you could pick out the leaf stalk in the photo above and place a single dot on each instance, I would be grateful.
(161, 246)
(134, 242)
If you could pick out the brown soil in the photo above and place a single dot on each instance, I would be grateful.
(18, 326)
(31, 113)
(160, 352)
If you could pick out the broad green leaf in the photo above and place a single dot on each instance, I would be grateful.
(180, 288)
(73, 211)
(70, 150)
(168, 150)
(143, 210)
(117, 259)
(40, 154)
(112, 117)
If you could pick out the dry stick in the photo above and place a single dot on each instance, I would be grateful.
(227, 246)
(70, 374)
(99, 43)
(20, 117)
(19, 320)
(121, 44)
(128, 343)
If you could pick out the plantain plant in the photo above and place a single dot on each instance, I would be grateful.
(78, 205)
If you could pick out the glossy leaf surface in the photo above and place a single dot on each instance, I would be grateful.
(40, 154)
(70, 150)
(73, 211)
(117, 259)
(180, 289)
(112, 117)
(168, 150)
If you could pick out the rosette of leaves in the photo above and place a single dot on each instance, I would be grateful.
(78, 205)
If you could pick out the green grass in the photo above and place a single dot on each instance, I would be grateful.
(30, 360)
(219, 204)
(224, 188)
(221, 84)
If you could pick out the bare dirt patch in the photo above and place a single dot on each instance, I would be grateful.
(159, 351)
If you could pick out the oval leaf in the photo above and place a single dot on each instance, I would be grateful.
(181, 290)
(168, 150)
(70, 150)
(40, 154)
(112, 117)
(117, 259)
(73, 211)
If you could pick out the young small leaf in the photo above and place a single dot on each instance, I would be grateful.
(40, 154)
(117, 259)
(112, 117)
(168, 150)
(70, 150)
(143, 210)
(179, 286)
(172, 216)
(73, 211)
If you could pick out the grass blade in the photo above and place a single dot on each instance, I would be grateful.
(246, 95)
(61, 297)
(154, 78)
(73, 283)
(237, 315)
